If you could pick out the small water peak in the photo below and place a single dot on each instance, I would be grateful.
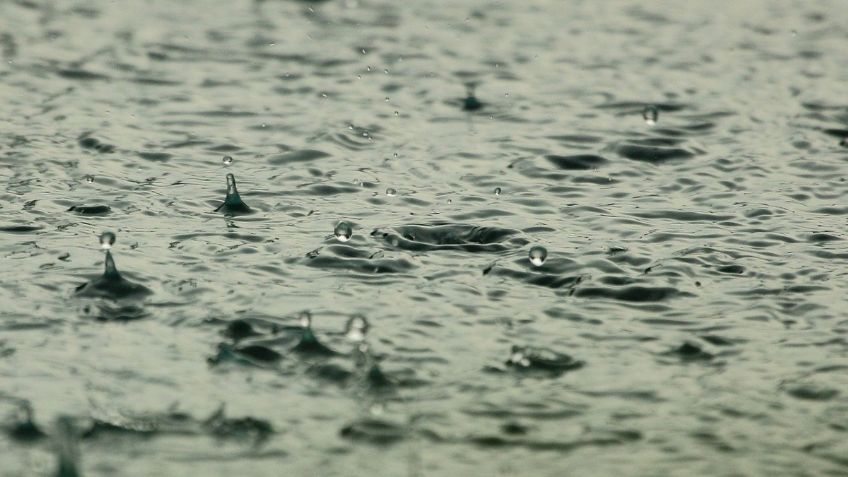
(232, 191)
(111, 284)
(538, 255)
(343, 231)
(650, 114)
(233, 205)
(309, 344)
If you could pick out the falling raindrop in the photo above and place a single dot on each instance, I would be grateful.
(497, 191)
(651, 115)
(227, 160)
(538, 255)
(391, 192)
(343, 231)
(89, 179)
(107, 239)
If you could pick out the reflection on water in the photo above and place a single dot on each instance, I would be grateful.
(481, 239)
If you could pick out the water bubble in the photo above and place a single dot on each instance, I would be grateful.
(107, 239)
(343, 231)
(497, 191)
(356, 328)
(89, 179)
(538, 255)
(227, 160)
(651, 114)
(305, 320)
(391, 192)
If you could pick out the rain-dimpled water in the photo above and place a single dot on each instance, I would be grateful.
(374, 238)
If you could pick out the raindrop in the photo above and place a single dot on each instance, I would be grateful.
(356, 328)
(305, 319)
(397, 113)
(497, 191)
(391, 192)
(538, 255)
(368, 68)
(107, 239)
(387, 99)
(363, 51)
(89, 179)
(651, 114)
(343, 232)
(386, 71)
(844, 142)
(227, 160)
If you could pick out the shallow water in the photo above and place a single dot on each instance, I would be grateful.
(689, 319)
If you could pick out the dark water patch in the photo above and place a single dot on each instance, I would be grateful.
(116, 312)
(684, 216)
(80, 75)
(639, 294)
(731, 269)
(305, 155)
(155, 156)
(374, 431)
(822, 237)
(87, 142)
(578, 162)
(689, 352)
(20, 229)
(653, 154)
(540, 279)
(446, 236)
(90, 209)
(361, 265)
(812, 393)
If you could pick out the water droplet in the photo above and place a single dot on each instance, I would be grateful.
(391, 192)
(651, 114)
(387, 99)
(363, 51)
(506, 95)
(323, 95)
(356, 328)
(368, 68)
(844, 142)
(89, 179)
(305, 320)
(227, 160)
(396, 154)
(358, 76)
(538, 255)
(497, 191)
(397, 113)
(386, 71)
(343, 231)
(107, 239)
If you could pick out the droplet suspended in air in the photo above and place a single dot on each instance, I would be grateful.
(343, 231)
(107, 239)
(356, 328)
(651, 114)
(538, 255)
(227, 160)
(305, 320)
(391, 192)
(89, 179)
(844, 142)
(497, 191)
